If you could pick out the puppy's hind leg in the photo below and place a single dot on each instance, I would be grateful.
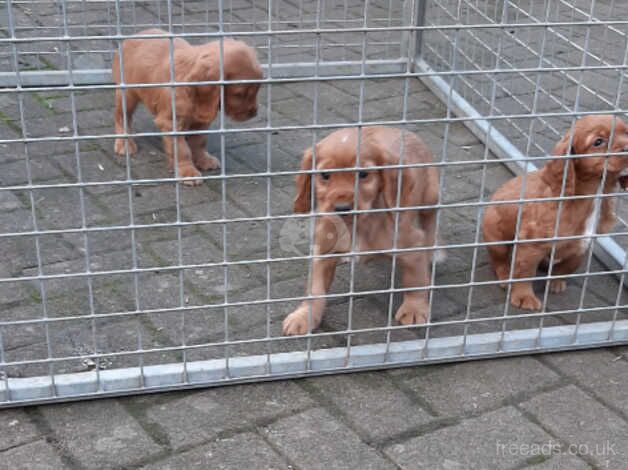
(202, 159)
(567, 266)
(498, 256)
(130, 102)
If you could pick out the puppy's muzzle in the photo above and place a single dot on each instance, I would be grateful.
(343, 207)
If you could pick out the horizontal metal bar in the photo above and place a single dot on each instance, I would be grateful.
(267, 174)
(287, 73)
(81, 385)
(58, 78)
(313, 31)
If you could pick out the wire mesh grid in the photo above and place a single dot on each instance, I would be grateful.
(115, 279)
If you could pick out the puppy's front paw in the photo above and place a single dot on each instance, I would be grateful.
(205, 162)
(557, 286)
(297, 322)
(525, 300)
(502, 272)
(119, 147)
(413, 313)
(189, 171)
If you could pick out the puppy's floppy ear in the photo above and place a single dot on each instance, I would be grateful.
(203, 67)
(390, 176)
(554, 169)
(302, 201)
(562, 146)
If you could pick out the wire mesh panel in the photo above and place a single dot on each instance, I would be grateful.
(115, 277)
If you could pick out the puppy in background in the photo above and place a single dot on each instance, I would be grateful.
(583, 176)
(148, 61)
(377, 188)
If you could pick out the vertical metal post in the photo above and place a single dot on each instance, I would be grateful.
(412, 41)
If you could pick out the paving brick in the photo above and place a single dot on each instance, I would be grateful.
(10, 291)
(14, 172)
(237, 452)
(38, 455)
(100, 434)
(483, 438)
(600, 370)
(17, 429)
(471, 387)
(201, 416)
(372, 403)
(316, 440)
(584, 423)
(8, 201)
(561, 462)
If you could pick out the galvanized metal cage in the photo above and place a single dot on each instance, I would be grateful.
(117, 280)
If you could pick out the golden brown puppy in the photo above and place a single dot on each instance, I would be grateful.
(377, 188)
(538, 219)
(148, 61)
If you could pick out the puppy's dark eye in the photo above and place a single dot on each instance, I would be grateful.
(598, 142)
(363, 174)
(325, 176)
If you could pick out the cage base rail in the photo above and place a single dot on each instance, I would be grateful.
(80, 77)
(214, 372)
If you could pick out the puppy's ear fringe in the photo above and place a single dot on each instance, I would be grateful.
(555, 169)
(303, 199)
(562, 147)
(390, 176)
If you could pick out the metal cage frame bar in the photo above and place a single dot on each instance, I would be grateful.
(214, 372)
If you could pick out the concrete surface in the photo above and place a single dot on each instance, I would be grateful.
(551, 411)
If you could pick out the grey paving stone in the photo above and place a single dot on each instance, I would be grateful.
(17, 221)
(201, 416)
(237, 452)
(470, 387)
(603, 372)
(589, 428)
(14, 171)
(314, 439)
(100, 434)
(10, 291)
(18, 429)
(96, 166)
(474, 443)
(371, 402)
(8, 201)
(38, 455)
(367, 312)
(561, 462)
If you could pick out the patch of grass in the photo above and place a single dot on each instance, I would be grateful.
(46, 102)
(10, 122)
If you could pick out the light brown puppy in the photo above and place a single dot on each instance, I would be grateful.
(538, 219)
(377, 188)
(148, 61)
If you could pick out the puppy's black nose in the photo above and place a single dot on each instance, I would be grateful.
(343, 207)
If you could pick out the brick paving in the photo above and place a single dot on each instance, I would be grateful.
(550, 411)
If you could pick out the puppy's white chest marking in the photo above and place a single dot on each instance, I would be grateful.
(589, 229)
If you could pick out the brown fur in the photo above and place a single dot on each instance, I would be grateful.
(538, 219)
(148, 61)
(375, 231)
